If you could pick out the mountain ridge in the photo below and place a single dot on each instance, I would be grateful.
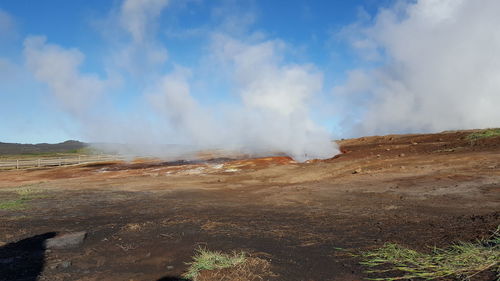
(7, 148)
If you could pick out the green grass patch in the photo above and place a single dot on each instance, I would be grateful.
(482, 134)
(211, 260)
(24, 195)
(13, 205)
(461, 261)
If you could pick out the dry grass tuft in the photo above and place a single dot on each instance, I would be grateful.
(133, 227)
(461, 261)
(253, 269)
(237, 266)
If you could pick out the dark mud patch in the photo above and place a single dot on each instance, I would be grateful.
(147, 236)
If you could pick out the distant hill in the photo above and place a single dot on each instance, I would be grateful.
(20, 148)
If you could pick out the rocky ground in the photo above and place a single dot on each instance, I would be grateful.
(143, 221)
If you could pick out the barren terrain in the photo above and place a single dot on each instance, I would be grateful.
(145, 219)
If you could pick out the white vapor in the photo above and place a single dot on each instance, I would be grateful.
(271, 114)
(436, 67)
(172, 99)
(138, 19)
(276, 99)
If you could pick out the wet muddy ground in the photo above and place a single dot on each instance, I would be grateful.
(144, 220)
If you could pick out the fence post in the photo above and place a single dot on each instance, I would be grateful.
(17, 164)
(60, 161)
(79, 160)
(38, 163)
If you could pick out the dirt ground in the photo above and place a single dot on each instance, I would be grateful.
(145, 219)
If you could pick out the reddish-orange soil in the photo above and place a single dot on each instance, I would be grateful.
(145, 219)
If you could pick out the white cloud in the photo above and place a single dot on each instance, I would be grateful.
(58, 68)
(265, 81)
(439, 68)
(235, 17)
(138, 16)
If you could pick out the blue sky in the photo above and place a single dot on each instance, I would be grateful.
(170, 69)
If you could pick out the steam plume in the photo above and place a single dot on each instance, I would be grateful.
(436, 66)
(271, 114)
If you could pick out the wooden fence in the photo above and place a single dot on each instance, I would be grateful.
(56, 161)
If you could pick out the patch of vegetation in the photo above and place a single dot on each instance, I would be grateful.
(12, 205)
(25, 194)
(462, 261)
(487, 133)
(28, 193)
(212, 260)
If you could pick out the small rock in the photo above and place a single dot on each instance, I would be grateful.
(402, 155)
(414, 143)
(387, 149)
(65, 264)
(378, 155)
(357, 171)
(170, 267)
(66, 241)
